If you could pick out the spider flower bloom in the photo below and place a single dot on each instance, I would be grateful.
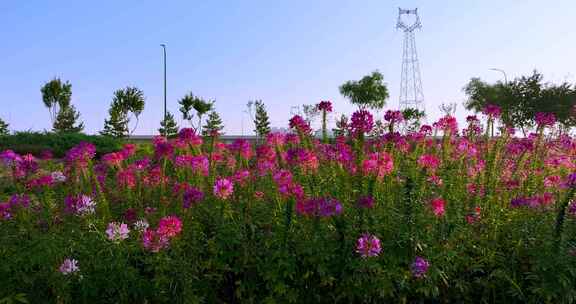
(379, 164)
(365, 202)
(169, 226)
(572, 208)
(200, 164)
(419, 267)
(128, 150)
(545, 119)
(188, 136)
(58, 176)
(69, 266)
(438, 205)
(223, 188)
(320, 207)
(362, 122)
(243, 148)
(10, 158)
(394, 117)
(324, 105)
(117, 231)
(192, 196)
(154, 241)
(80, 155)
(447, 123)
(428, 161)
(28, 164)
(80, 204)
(276, 139)
(299, 124)
(571, 180)
(141, 225)
(368, 245)
(492, 111)
(113, 159)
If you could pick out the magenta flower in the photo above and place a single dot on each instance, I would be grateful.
(447, 123)
(368, 245)
(192, 196)
(80, 204)
(362, 122)
(545, 119)
(319, 207)
(492, 111)
(117, 231)
(69, 266)
(223, 188)
(394, 117)
(324, 105)
(419, 267)
(572, 208)
(365, 202)
(438, 205)
(188, 136)
(379, 164)
(428, 161)
(299, 124)
(113, 159)
(154, 241)
(169, 226)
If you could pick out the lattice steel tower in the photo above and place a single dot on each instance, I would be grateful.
(411, 94)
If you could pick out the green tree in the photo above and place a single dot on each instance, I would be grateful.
(117, 124)
(261, 120)
(522, 98)
(369, 92)
(168, 126)
(4, 127)
(190, 102)
(67, 120)
(412, 119)
(55, 95)
(214, 125)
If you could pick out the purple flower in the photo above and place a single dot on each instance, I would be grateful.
(362, 122)
(223, 188)
(572, 208)
(117, 231)
(419, 267)
(81, 154)
(58, 176)
(365, 202)
(324, 105)
(492, 111)
(571, 180)
(10, 158)
(368, 245)
(545, 119)
(80, 204)
(393, 116)
(322, 207)
(69, 266)
(519, 202)
(192, 196)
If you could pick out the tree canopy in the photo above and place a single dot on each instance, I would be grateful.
(369, 92)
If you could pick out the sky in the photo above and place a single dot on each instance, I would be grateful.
(285, 53)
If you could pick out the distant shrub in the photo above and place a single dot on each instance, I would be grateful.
(37, 143)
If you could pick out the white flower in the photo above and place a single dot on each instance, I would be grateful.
(141, 225)
(69, 266)
(58, 176)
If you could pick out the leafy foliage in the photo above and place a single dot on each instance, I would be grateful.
(125, 101)
(214, 125)
(4, 127)
(55, 95)
(369, 92)
(412, 119)
(168, 126)
(522, 98)
(37, 143)
(199, 105)
(261, 120)
(67, 120)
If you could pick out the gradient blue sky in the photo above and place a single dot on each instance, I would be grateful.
(283, 52)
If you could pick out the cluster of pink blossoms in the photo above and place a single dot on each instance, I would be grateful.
(223, 188)
(379, 164)
(168, 228)
(368, 245)
(324, 105)
(117, 232)
(300, 125)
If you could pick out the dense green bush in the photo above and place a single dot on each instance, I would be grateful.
(58, 143)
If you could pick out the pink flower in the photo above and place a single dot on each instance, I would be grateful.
(223, 188)
(117, 231)
(69, 266)
(299, 124)
(448, 124)
(154, 241)
(362, 122)
(428, 161)
(169, 226)
(324, 105)
(545, 119)
(379, 164)
(368, 246)
(437, 205)
(492, 111)
(393, 116)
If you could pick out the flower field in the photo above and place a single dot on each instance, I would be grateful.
(443, 214)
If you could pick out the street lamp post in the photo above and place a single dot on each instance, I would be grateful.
(164, 48)
(501, 71)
